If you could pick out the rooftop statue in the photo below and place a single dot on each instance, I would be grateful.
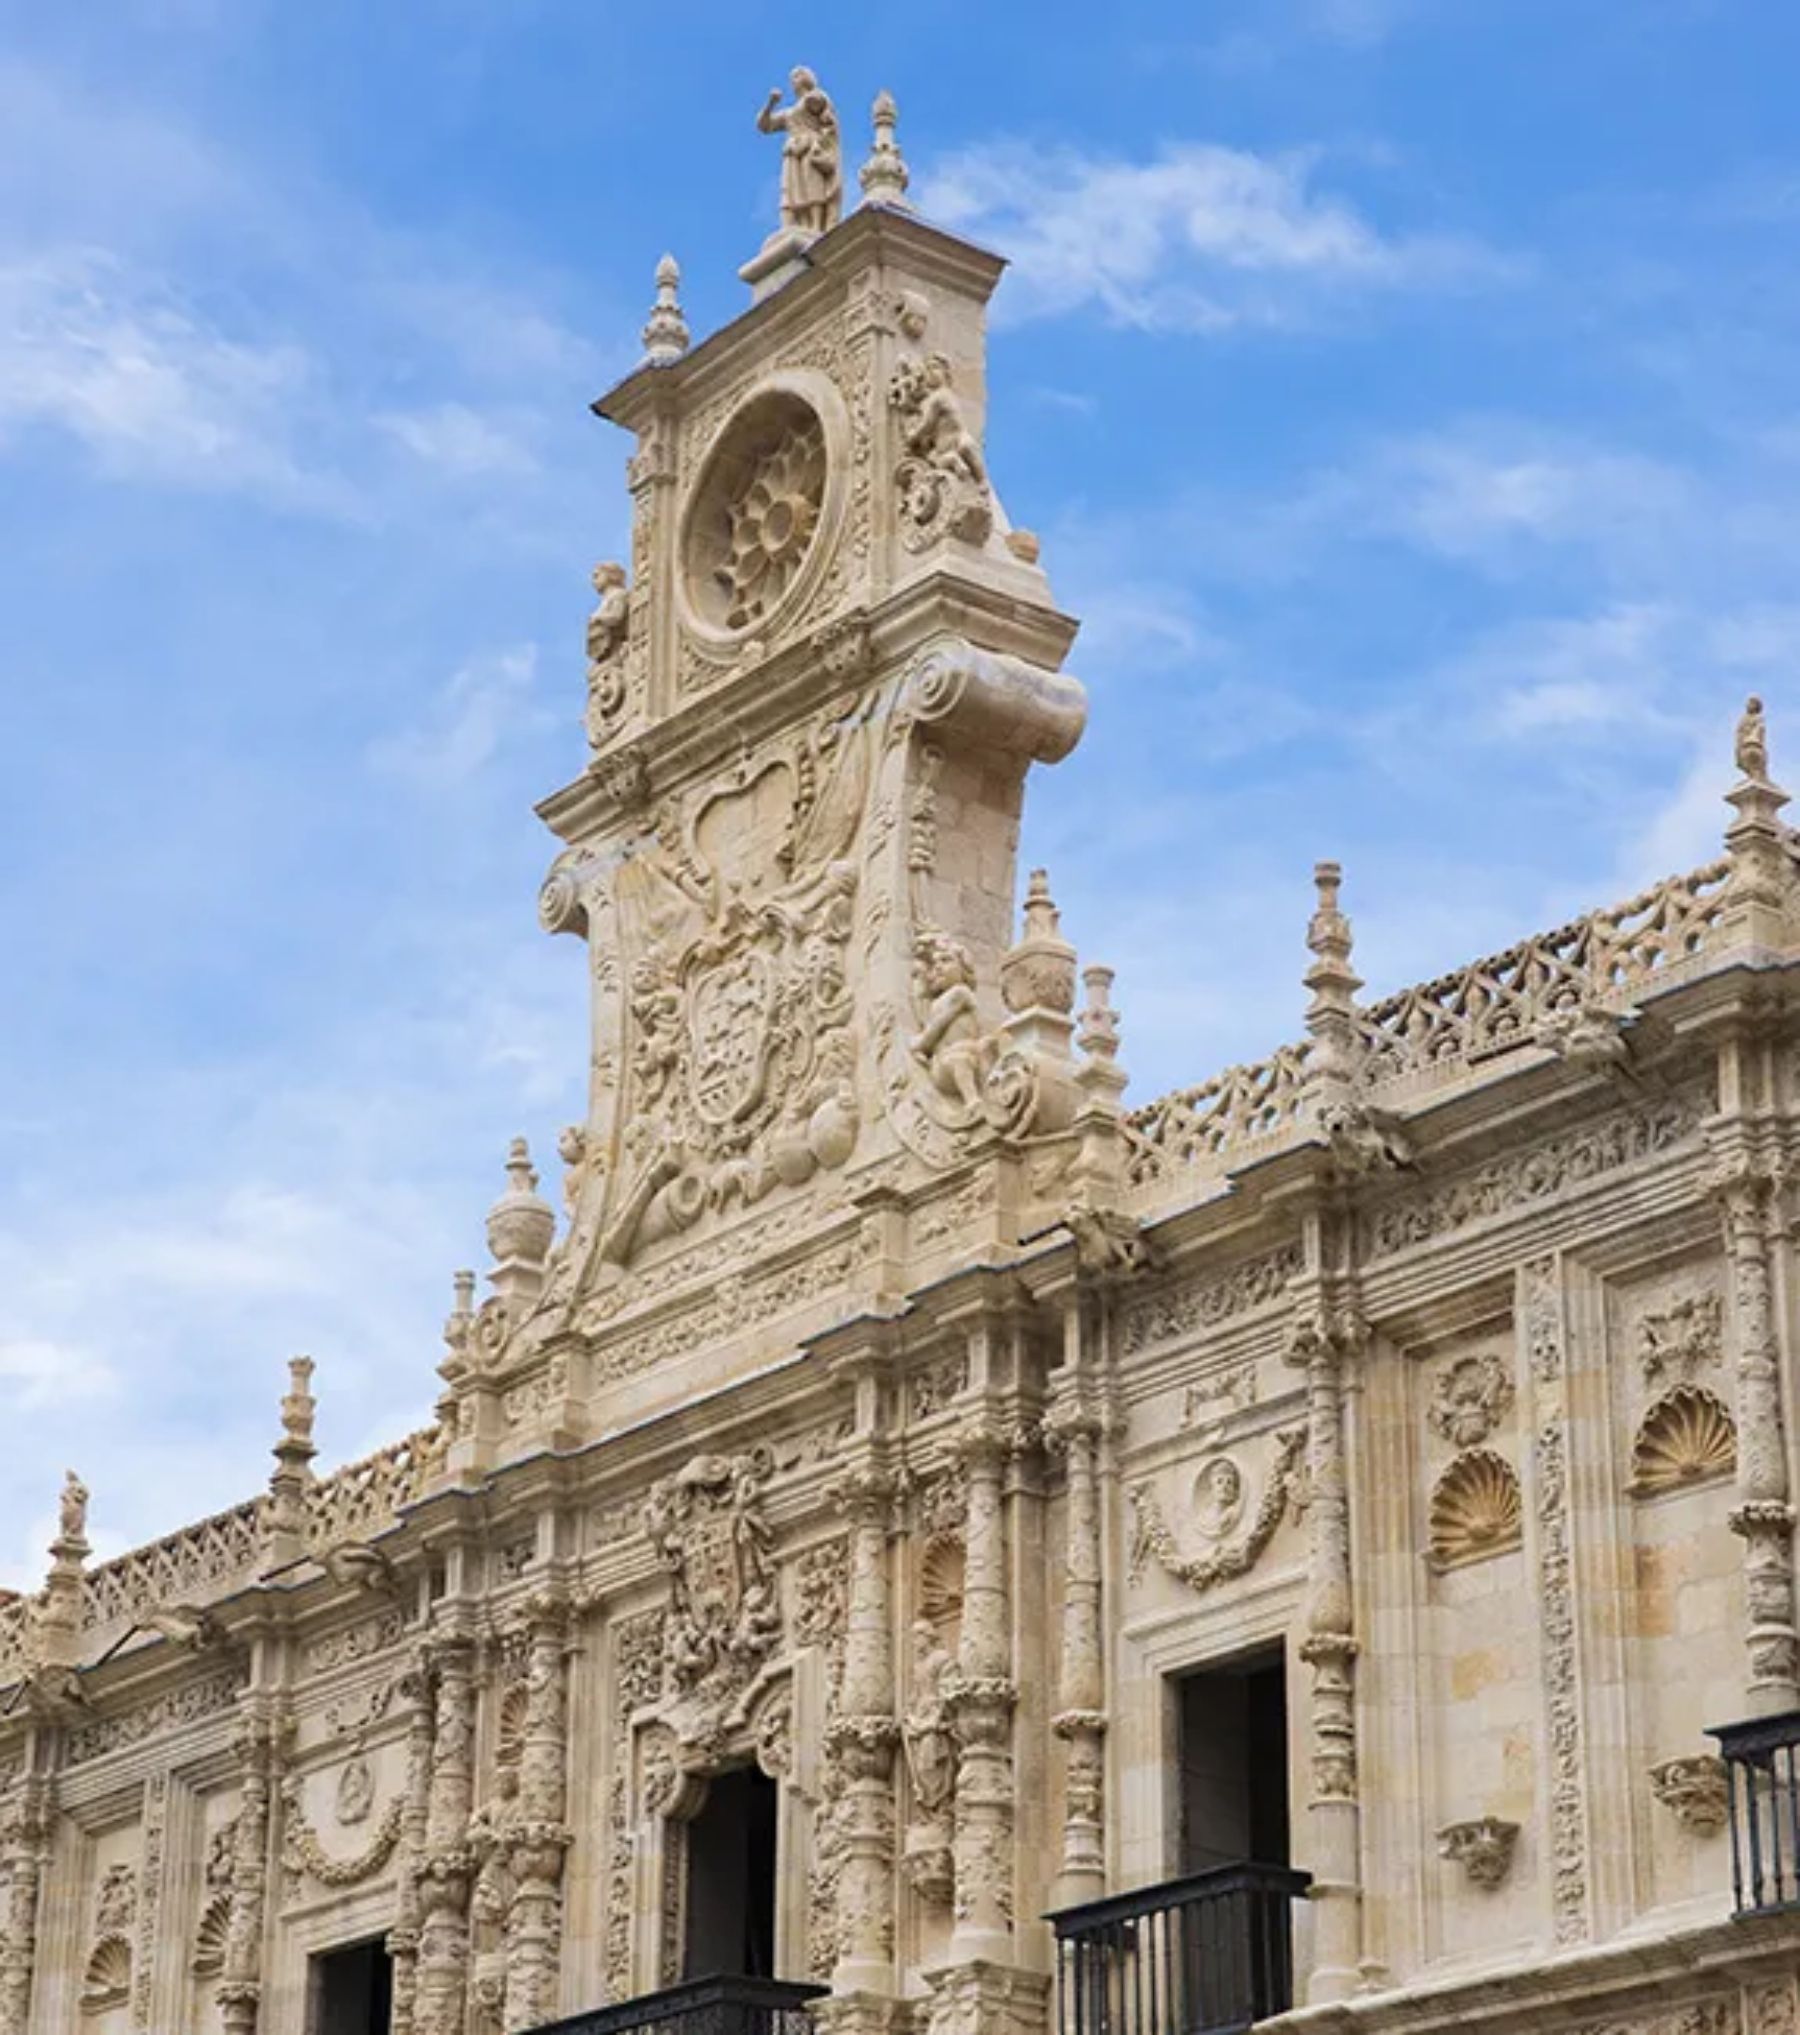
(812, 168)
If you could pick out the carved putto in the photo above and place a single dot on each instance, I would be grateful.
(1469, 1399)
(942, 478)
(812, 162)
(707, 1526)
(606, 630)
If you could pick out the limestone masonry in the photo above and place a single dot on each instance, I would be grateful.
(903, 1493)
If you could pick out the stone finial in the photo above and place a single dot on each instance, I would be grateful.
(521, 1227)
(56, 1636)
(1038, 972)
(884, 177)
(459, 1324)
(1098, 1036)
(666, 330)
(284, 1513)
(1331, 1017)
(1762, 876)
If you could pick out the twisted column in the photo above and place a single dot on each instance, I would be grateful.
(1080, 1720)
(864, 1733)
(1764, 1515)
(444, 1870)
(982, 1695)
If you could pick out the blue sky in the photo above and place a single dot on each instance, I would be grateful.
(1404, 392)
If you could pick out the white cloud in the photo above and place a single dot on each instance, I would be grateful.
(1200, 239)
(120, 363)
(38, 1372)
(457, 440)
(484, 701)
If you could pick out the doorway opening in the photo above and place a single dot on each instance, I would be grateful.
(351, 1991)
(1233, 1734)
(731, 1879)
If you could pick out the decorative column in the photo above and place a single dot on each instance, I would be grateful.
(982, 1695)
(1080, 1721)
(541, 1838)
(403, 1938)
(284, 1510)
(1764, 1516)
(444, 1871)
(1329, 1649)
(863, 1734)
(24, 1847)
(258, 1745)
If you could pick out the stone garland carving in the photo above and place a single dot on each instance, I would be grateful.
(1696, 1790)
(1681, 1340)
(1476, 1509)
(106, 1976)
(1764, 1515)
(1482, 1847)
(637, 1671)
(1470, 1398)
(1186, 1309)
(1152, 1539)
(1540, 1310)
(707, 1526)
(25, 1822)
(150, 1895)
(1519, 1178)
(303, 1857)
(1686, 1437)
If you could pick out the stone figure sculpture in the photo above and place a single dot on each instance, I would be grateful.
(1752, 746)
(812, 170)
(930, 1743)
(605, 644)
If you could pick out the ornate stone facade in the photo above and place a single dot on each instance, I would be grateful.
(895, 1416)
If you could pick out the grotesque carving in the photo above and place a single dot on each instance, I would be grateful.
(1695, 1790)
(707, 1526)
(812, 167)
(1483, 1848)
(1469, 1399)
(606, 630)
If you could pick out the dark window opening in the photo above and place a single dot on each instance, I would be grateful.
(1234, 1764)
(731, 1879)
(351, 1991)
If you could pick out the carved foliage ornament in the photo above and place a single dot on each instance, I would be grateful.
(1469, 1399)
(1695, 1790)
(1483, 1848)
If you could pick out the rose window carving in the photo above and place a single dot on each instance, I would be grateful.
(756, 511)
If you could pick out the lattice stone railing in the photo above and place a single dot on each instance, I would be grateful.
(364, 1497)
(201, 1561)
(1421, 1036)
(15, 1624)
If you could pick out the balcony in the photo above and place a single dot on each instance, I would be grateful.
(702, 2006)
(1207, 1955)
(1762, 1785)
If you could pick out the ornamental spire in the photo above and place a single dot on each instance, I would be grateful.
(666, 330)
(284, 1513)
(1756, 842)
(1331, 1015)
(884, 176)
(520, 1228)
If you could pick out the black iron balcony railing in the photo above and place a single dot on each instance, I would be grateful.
(703, 2006)
(1206, 1955)
(1762, 1792)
